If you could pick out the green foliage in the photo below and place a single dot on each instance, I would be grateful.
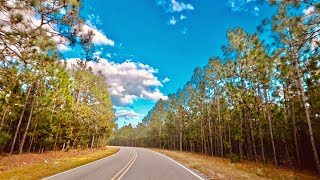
(233, 158)
(4, 138)
(43, 104)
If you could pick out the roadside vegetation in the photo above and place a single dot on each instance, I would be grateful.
(222, 168)
(45, 102)
(258, 102)
(37, 166)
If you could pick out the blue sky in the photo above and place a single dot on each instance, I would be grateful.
(149, 48)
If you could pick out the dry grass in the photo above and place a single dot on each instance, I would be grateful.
(222, 168)
(36, 166)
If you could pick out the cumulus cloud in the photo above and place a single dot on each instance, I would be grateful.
(256, 10)
(165, 80)
(182, 17)
(108, 55)
(98, 37)
(128, 114)
(172, 21)
(33, 22)
(128, 81)
(178, 7)
(175, 6)
(248, 6)
(63, 48)
(98, 53)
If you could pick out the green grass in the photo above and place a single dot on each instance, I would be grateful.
(41, 170)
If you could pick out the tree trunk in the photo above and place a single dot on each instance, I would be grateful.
(30, 144)
(3, 117)
(304, 101)
(253, 142)
(32, 138)
(210, 135)
(56, 138)
(29, 121)
(52, 111)
(229, 136)
(180, 133)
(261, 142)
(270, 126)
(78, 95)
(287, 152)
(92, 141)
(295, 134)
(240, 140)
(20, 120)
(220, 126)
(260, 128)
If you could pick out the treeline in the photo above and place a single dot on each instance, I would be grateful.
(46, 103)
(260, 101)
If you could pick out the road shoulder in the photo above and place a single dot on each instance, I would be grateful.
(36, 166)
(222, 168)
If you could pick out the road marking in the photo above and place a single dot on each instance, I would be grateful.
(196, 175)
(125, 169)
(80, 166)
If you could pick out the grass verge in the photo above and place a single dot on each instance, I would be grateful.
(222, 168)
(36, 166)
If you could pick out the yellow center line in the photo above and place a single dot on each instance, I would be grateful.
(124, 170)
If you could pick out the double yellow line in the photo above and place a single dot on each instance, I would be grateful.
(124, 170)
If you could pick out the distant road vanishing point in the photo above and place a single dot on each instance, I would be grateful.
(131, 163)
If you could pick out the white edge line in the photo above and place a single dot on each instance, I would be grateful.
(79, 166)
(196, 175)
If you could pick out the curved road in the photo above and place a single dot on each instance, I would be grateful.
(130, 164)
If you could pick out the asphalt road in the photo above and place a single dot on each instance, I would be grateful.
(130, 164)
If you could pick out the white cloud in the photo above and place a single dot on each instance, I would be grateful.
(94, 18)
(128, 81)
(98, 37)
(248, 6)
(308, 10)
(165, 80)
(256, 11)
(155, 95)
(128, 114)
(310, 14)
(178, 7)
(175, 6)
(63, 48)
(31, 22)
(98, 53)
(182, 17)
(172, 21)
